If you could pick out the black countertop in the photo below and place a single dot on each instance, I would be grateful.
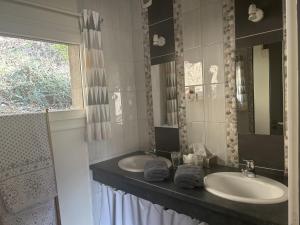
(196, 203)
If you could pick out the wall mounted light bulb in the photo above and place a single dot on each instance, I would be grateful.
(255, 14)
(158, 40)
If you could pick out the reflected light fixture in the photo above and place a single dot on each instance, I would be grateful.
(255, 14)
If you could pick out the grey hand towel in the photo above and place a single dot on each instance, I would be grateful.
(187, 176)
(156, 170)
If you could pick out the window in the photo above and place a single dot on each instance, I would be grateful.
(35, 75)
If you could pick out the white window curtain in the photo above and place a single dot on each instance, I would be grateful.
(94, 78)
(114, 207)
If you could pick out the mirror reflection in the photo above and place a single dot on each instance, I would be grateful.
(259, 89)
(164, 95)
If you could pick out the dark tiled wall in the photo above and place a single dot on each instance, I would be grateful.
(161, 22)
(167, 139)
(160, 10)
(266, 150)
(272, 23)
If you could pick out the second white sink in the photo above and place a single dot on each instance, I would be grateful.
(236, 187)
(136, 163)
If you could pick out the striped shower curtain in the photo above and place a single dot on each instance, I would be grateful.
(94, 78)
(168, 70)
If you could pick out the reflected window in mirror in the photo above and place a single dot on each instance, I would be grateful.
(259, 89)
(164, 94)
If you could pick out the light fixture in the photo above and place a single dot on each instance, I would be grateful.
(255, 14)
(158, 40)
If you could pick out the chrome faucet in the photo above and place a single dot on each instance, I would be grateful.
(249, 171)
(151, 152)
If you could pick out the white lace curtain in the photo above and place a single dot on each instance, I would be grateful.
(95, 91)
(168, 70)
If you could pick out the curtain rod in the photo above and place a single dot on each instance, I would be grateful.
(49, 8)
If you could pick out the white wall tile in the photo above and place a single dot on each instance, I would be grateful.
(188, 5)
(113, 75)
(131, 136)
(125, 47)
(196, 132)
(110, 43)
(110, 12)
(191, 29)
(136, 14)
(144, 138)
(195, 108)
(138, 48)
(214, 101)
(129, 105)
(125, 15)
(139, 72)
(213, 61)
(116, 109)
(127, 77)
(141, 105)
(117, 141)
(193, 66)
(212, 21)
(216, 140)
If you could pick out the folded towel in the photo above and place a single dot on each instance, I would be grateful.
(24, 191)
(156, 170)
(27, 175)
(40, 214)
(188, 176)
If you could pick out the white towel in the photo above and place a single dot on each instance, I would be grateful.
(26, 165)
(41, 214)
(24, 191)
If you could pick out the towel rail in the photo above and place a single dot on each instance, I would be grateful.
(56, 202)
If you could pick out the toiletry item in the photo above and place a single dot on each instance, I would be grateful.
(210, 161)
(176, 159)
(199, 149)
(189, 177)
(198, 160)
(188, 159)
(156, 170)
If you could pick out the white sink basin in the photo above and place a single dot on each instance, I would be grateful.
(237, 187)
(136, 163)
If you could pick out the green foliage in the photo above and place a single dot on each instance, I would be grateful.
(62, 49)
(34, 75)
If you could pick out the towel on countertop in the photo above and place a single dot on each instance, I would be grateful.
(27, 175)
(189, 177)
(156, 170)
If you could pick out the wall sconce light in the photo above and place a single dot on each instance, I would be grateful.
(255, 14)
(158, 40)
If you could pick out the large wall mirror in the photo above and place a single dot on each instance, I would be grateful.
(165, 110)
(260, 81)
(164, 95)
(259, 93)
(260, 89)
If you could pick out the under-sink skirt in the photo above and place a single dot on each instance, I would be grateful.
(115, 207)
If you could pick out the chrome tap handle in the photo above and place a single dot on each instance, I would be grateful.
(250, 168)
(250, 165)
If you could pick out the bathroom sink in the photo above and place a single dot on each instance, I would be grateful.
(237, 187)
(136, 163)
